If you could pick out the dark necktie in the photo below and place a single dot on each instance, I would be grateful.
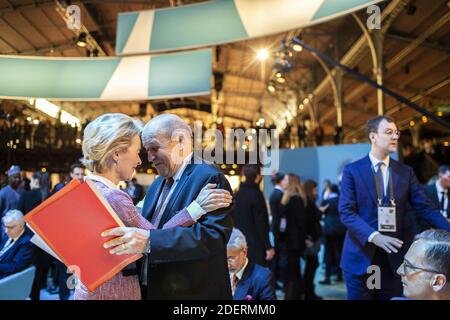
(379, 177)
(443, 195)
(156, 218)
(164, 193)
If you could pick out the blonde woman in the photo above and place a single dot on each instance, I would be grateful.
(111, 149)
(294, 203)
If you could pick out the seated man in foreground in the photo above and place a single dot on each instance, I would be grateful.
(249, 281)
(16, 250)
(426, 267)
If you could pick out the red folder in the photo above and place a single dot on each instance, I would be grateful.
(71, 223)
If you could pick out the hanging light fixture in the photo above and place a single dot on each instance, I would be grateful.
(81, 41)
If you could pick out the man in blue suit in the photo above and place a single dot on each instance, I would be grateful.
(16, 250)
(373, 202)
(249, 281)
(181, 262)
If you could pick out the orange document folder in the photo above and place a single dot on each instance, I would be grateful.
(71, 223)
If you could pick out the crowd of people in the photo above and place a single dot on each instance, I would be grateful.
(41, 134)
(261, 249)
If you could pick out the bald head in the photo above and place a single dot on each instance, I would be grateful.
(168, 140)
(166, 126)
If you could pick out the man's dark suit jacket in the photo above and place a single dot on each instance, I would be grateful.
(256, 284)
(251, 217)
(18, 257)
(359, 213)
(275, 210)
(431, 193)
(189, 262)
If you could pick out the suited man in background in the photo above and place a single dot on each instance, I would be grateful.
(438, 194)
(278, 228)
(251, 217)
(375, 192)
(16, 250)
(249, 281)
(181, 262)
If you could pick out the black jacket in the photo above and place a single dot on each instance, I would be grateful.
(30, 200)
(431, 193)
(18, 257)
(332, 222)
(275, 210)
(189, 262)
(313, 228)
(295, 213)
(251, 217)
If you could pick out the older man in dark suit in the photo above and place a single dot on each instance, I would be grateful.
(249, 281)
(181, 262)
(438, 194)
(16, 250)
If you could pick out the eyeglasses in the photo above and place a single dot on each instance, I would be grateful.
(10, 227)
(407, 265)
(391, 133)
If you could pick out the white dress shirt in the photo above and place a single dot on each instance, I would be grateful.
(239, 274)
(440, 195)
(385, 172)
(384, 169)
(9, 243)
(194, 209)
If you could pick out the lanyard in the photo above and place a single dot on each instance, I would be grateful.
(390, 186)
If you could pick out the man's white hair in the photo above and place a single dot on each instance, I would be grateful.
(237, 240)
(13, 215)
(167, 125)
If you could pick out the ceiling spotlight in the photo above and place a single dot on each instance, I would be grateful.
(263, 54)
(271, 86)
(281, 79)
(297, 47)
(81, 42)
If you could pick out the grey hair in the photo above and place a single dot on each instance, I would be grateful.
(167, 125)
(437, 253)
(13, 215)
(237, 240)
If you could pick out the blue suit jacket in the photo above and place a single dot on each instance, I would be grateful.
(256, 282)
(189, 262)
(359, 213)
(18, 257)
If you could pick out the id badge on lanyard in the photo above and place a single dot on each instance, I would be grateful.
(387, 219)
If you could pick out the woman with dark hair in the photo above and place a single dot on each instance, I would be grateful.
(294, 203)
(313, 239)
